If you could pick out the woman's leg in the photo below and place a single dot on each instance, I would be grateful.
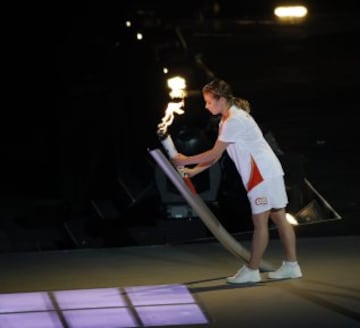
(260, 238)
(250, 273)
(286, 233)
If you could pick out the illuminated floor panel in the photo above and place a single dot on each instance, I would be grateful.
(96, 318)
(30, 320)
(89, 298)
(20, 302)
(166, 315)
(161, 294)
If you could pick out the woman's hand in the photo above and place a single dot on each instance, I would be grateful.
(179, 160)
(188, 172)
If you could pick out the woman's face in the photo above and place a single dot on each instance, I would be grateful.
(213, 104)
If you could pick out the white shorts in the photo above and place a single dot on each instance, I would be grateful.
(267, 195)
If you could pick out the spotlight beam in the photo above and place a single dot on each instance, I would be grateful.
(205, 214)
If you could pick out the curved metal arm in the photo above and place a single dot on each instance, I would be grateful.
(205, 214)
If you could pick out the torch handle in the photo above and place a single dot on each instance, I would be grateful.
(169, 146)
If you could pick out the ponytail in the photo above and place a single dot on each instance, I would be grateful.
(242, 103)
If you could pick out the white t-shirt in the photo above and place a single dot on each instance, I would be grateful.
(252, 155)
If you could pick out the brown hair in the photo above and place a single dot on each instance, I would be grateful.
(219, 88)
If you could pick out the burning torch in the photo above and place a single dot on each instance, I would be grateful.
(177, 94)
(175, 106)
(164, 136)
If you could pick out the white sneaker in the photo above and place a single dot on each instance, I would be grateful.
(286, 271)
(244, 276)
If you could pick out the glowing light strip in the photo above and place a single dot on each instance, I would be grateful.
(291, 11)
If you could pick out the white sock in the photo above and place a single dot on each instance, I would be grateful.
(291, 263)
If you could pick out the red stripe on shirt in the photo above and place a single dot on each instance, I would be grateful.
(255, 176)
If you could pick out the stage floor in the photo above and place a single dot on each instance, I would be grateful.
(182, 286)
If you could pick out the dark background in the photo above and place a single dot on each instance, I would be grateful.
(82, 100)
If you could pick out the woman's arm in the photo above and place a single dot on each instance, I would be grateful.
(192, 171)
(208, 157)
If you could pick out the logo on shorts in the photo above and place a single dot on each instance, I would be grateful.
(261, 201)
